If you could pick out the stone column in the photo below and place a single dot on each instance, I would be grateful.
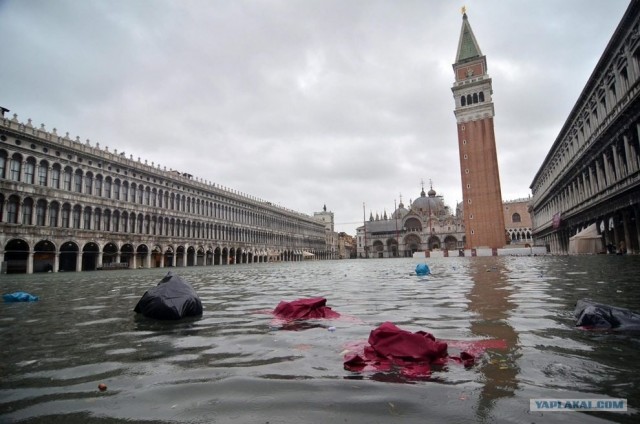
(591, 182)
(56, 262)
(607, 171)
(79, 261)
(148, 259)
(100, 253)
(30, 262)
(616, 238)
(22, 166)
(625, 227)
(636, 213)
(4, 209)
(618, 162)
(630, 165)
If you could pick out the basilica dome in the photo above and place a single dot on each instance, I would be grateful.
(429, 204)
(401, 212)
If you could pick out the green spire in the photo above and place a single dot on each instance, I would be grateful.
(467, 46)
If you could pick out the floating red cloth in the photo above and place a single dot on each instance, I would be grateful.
(304, 309)
(413, 353)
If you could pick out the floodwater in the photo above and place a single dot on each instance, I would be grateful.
(234, 366)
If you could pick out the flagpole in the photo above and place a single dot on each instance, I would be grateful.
(395, 211)
(364, 223)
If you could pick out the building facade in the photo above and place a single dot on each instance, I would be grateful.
(333, 238)
(427, 225)
(72, 206)
(517, 218)
(591, 174)
(474, 113)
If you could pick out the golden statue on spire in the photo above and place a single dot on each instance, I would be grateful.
(463, 10)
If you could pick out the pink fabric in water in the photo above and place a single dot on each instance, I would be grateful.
(310, 308)
(413, 353)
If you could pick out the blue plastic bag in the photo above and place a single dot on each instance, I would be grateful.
(422, 269)
(19, 297)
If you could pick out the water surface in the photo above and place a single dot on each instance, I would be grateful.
(234, 366)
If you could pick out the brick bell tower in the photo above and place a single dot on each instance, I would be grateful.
(472, 90)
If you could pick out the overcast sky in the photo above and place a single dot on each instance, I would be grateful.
(301, 102)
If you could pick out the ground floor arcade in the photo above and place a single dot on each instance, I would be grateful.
(22, 255)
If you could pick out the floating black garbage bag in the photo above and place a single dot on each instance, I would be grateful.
(172, 298)
(594, 315)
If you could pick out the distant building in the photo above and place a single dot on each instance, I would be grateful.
(332, 238)
(339, 245)
(346, 246)
(326, 217)
(517, 220)
(428, 224)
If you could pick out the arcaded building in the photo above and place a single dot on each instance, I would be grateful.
(67, 205)
(517, 219)
(591, 174)
(428, 224)
(474, 111)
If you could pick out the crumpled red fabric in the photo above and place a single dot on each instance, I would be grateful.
(413, 353)
(310, 308)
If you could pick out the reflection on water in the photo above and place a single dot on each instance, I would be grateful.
(491, 307)
(234, 365)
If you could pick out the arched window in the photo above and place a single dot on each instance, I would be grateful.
(106, 221)
(115, 226)
(463, 101)
(107, 187)
(29, 171)
(86, 218)
(98, 187)
(469, 99)
(88, 183)
(3, 163)
(516, 217)
(116, 189)
(43, 170)
(475, 97)
(53, 214)
(66, 178)
(133, 192)
(78, 181)
(27, 211)
(66, 213)
(16, 166)
(125, 222)
(41, 208)
(55, 176)
(76, 216)
(97, 219)
(12, 210)
(481, 95)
